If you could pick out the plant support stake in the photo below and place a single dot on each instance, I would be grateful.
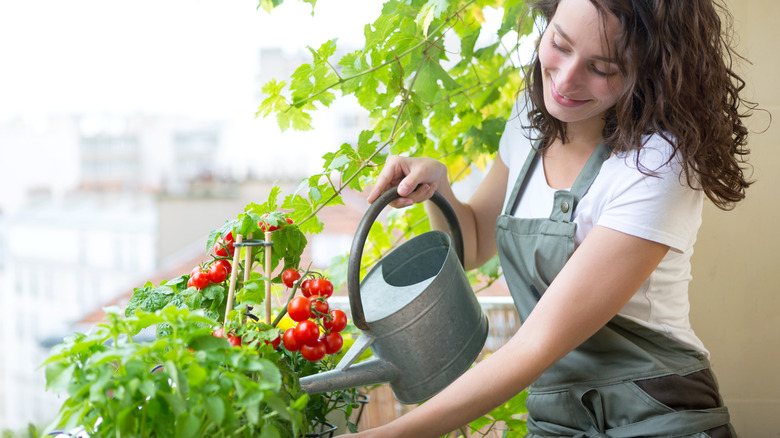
(268, 249)
(233, 278)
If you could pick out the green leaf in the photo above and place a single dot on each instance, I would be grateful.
(209, 342)
(480, 423)
(253, 292)
(432, 10)
(187, 425)
(294, 117)
(59, 375)
(513, 12)
(275, 101)
(269, 431)
(215, 409)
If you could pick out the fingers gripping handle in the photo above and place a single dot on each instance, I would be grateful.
(359, 241)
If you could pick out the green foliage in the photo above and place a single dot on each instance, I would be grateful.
(432, 85)
(204, 387)
(427, 85)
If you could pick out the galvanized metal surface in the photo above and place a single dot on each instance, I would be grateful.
(419, 316)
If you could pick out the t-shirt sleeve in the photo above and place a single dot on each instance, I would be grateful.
(513, 134)
(660, 207)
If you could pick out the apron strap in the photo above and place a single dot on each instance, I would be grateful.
(565, 201)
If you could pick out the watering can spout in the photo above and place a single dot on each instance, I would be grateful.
(346, 375)
(370, 372)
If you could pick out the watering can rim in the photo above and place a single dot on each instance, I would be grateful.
(361, 234)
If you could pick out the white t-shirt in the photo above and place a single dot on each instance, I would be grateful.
(661, 209)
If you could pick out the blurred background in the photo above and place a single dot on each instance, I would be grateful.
(127, 133)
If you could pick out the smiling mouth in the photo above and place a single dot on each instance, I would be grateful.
(564, 100)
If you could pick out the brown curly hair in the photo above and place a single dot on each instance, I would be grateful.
(677, 58)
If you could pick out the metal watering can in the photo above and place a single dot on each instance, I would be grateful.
(416, 310)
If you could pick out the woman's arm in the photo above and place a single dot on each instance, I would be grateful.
(595, 284)
(418, 178)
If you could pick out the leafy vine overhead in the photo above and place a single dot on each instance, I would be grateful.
(433, 80)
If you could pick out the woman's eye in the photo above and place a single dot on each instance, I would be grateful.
(599, 72)
(556, 46)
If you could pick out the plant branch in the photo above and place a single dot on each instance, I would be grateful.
(386, 63)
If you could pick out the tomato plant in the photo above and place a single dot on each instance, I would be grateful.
(199, 279)
(218, 272)
(333, 342)
(289, 276)
(305, 288)
(320, 306)
(321, 287)
(299, 309)
(307, 332)
(336, 322)
(313, 351)
(290, 341)
(224, 246)
(234, 340)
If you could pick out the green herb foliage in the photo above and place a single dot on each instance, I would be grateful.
(202, 386)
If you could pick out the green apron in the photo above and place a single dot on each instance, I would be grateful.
(599, 389)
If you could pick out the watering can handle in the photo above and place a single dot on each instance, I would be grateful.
(356, 253)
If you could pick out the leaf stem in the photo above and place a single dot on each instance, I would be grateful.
(386, 63)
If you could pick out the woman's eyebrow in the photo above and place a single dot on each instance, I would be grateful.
(568, 40)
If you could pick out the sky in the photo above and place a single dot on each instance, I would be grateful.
(190, 57)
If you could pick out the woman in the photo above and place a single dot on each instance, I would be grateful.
(634, 116)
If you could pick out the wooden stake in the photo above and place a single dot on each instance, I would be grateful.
(268, 251)
(247, 266)
(233, 278)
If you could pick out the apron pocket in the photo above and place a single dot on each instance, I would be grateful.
(693, 391)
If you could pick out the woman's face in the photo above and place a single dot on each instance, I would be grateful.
(581, 78)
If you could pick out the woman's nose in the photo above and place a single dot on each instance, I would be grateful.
(568, 77)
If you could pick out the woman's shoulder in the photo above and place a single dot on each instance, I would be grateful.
(657, 155)
(516, 139)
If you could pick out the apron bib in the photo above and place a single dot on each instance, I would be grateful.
(602, 388)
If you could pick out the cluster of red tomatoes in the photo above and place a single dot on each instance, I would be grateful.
(309, 311)
(232, 339)
(218, 270)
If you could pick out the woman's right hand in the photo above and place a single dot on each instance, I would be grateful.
(417, 179)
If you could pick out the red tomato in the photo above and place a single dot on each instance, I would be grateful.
(234, 340)
(321, 287)
(289, 276)
(290, 342)
(307, 332)
(199, 280)
(333, 342)
(313, 352)
(224, 247)
(305, 288)
(289, 221)
(220, 332)
(275, 343)
(223, 262)
(320, 306)
(299, 309)
(218, 272)
(262, 224)
(336, 322)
